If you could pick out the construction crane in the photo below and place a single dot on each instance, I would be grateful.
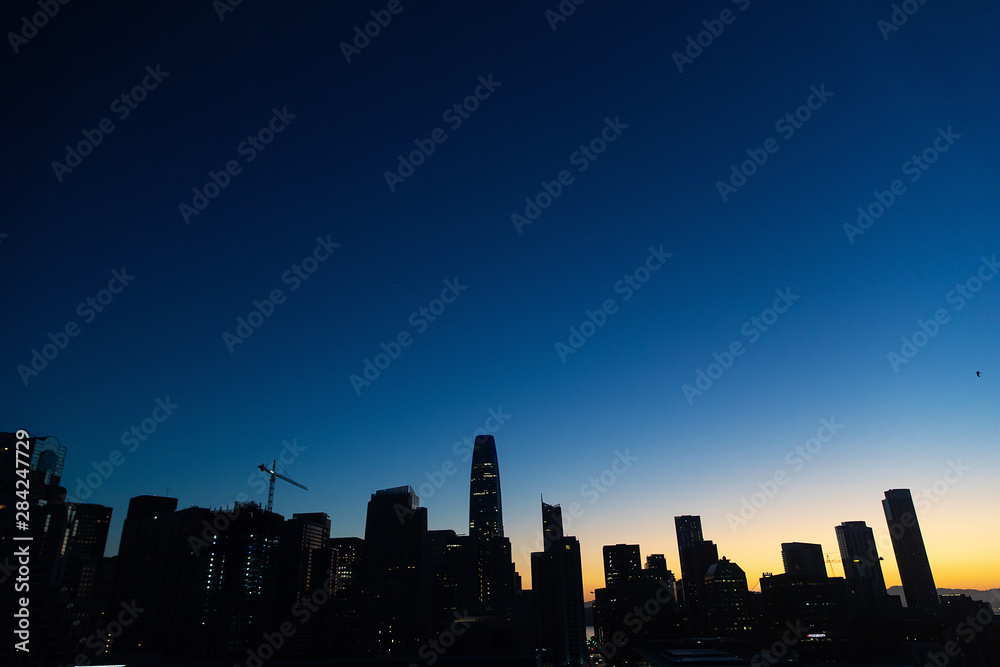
(270, 489)
(831, 561)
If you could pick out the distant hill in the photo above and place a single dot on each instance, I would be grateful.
(992, 595)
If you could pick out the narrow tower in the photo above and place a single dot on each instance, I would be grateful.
(911, 556)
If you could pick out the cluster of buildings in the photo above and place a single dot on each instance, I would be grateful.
(243, 585)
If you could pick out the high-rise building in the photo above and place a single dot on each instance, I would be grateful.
(345, 608)
(495, 577)
(485, 509)
(396, 583)
(557, 588)
(725, 598)
(240, 579)
(804, 559)
(859, 555)
(688, 535)
(82, 553)
(621, 563)
(305, 566)
(656, 567)
(911, 556)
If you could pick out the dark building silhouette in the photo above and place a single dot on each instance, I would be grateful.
(240, 580)
(64, 550)
(803, 558)
(396, 582)
(82, 557)
(344, 627)
(305, 565)
(350, 553)
(859, 555)
(911, 556)
(455, 576)
(656, 567)
(636, 603)
(557, 591)
(689, 535)
(622, 562)
(818, 603)
(726, 598)
(621, 566)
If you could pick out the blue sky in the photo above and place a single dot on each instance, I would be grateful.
(878, 98)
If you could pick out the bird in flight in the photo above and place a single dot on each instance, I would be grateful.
(977, 373)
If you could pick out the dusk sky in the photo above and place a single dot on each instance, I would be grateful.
(567, 223)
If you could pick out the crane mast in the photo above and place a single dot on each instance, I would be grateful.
(274, 474)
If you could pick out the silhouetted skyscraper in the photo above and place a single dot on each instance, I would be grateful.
(859, 555)
(688, 535)
(495, 577)
(725, 597)
(803, 559)
(621, 563)
(396, 584)
(911, 556)
(557, 588)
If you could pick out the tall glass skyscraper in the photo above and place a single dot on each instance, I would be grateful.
(496, 578)
(485, 513)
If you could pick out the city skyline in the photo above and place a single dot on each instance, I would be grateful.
(731, 260)
(485, 451)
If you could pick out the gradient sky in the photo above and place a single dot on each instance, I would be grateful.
(887, 95)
